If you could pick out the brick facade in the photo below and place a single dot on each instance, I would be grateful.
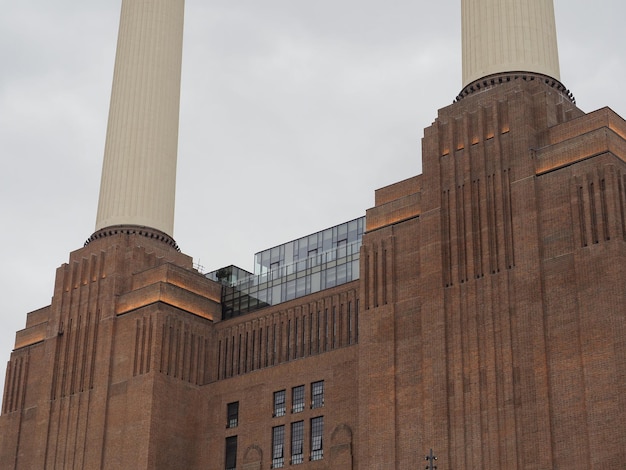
(487, 324)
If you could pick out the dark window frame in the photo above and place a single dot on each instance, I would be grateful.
(317, 394)
(232, 415)
(278, 446)
(230, 457)
(280, 403)
(297, 399)
(317, 438)
(297, 442)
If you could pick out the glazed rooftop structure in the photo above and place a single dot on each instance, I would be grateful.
(312, 263)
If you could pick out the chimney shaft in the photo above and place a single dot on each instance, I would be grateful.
(139, 170)
(503, 36)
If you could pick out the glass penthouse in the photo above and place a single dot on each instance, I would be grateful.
(324, 259)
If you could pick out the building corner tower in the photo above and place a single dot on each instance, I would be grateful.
(94, 380)
(492, 284)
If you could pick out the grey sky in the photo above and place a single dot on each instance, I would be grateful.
(293, 112)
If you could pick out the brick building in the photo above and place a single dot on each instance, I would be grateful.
(481, 313)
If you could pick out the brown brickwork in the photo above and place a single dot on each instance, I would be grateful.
(488, 323)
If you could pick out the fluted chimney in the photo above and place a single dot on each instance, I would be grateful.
(138, 183)
(506, 37)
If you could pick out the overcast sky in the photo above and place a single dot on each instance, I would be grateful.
(293, 112)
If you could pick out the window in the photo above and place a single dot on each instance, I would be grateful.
(297, 399)
(278, 446)
(317, 431)
(279, 403)
(342, 246)
(317, 394)
(231, 453)
(274, 270)
(297, 442)
(232, 415)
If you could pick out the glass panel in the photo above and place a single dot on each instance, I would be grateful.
(302, 248)
(300, 287)
(265, 261)
(291, 290)
(278, 444)
(279, 403)
(331, 277)
(232, 415)
(341, 248)
(301, 265)
(274, 271)
(327, 240)
(355, 270)
(297, 441)
(342, 231)
(289, 253)
(341, 274)
(315, 282)
(231, 453)
(317, 432)
(275, 254)
(317, 394)
(276, 297)
(297, 399)
(352, 231)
